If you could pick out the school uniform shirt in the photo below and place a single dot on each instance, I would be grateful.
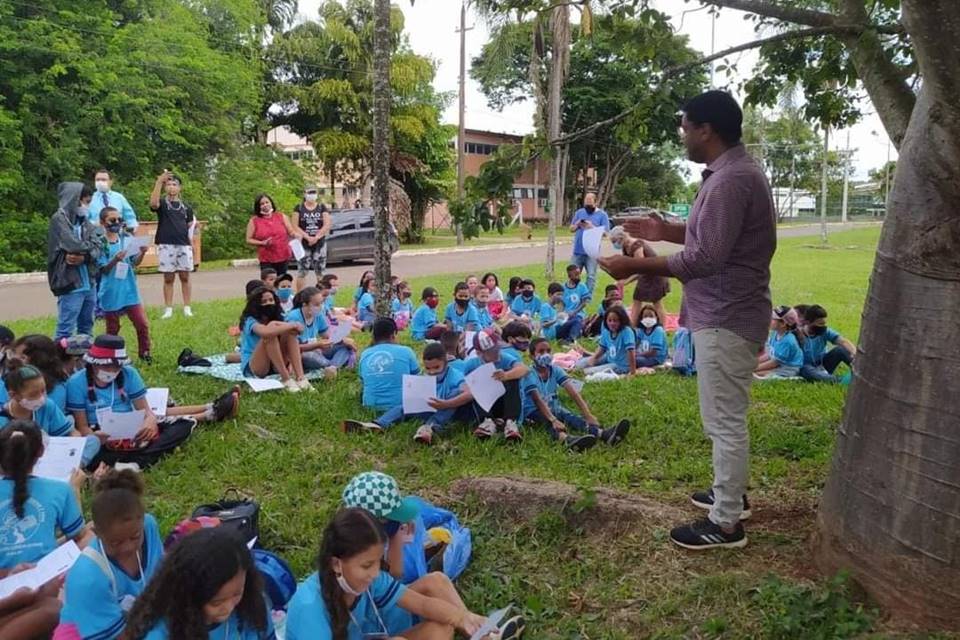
(357, 294)
(618, 348)
(248, 342)
(49, 418)
(449, 383)
(785, 349)
(328, 305)
(507, 360)
(92, 603)
(312, 330)
(365, 308)
(521, 305)
(51, 506)
(423, 319)
(401, 307)
(815, 346)
(573, 297)
(117, 293)
(461, 320)
(232, 629)
(457, 364)
(109, 397)
(548, 314)
(308, 618)
(59, 395)
(382, 368)
(656, 340)
(484, 318)
(548, 390)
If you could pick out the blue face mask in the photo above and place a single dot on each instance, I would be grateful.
(284, 294)
(544, 360)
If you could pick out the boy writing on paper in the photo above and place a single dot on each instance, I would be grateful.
(509, 370)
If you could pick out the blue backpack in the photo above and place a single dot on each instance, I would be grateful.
(684, 356)
(278, 580)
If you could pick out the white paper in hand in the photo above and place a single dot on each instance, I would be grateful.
(61, 456)
(468, 349)
(157, 398)
(120, 426)
(491, 625)
(340, 331)
(54, 564)
(122, 270)
(592, 238)
(416, 391)
(134, 244)
(297, 247)
(264, 384)
(484, 388)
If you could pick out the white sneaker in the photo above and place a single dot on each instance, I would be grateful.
(305, 385)
(187, 311)
(292, 385)
(167, 313)
(330, 372)
(511, 431)
(486, 429)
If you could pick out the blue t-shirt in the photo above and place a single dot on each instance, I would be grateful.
(82, 268)
(93, 602)
(785, 349)
(656, 340)
(573, 297)
(118, 293)
(308, 618)
(328, 305)
(232, 629)
(815, 346)
(357, 294)
(548, 389)
(449, 384)
(598, 218)
(59, 395)
(423, 319)
(521, 305)
(365, 308)
(459, 321)
(115, 200)
(50, 505)
(548, 314)
(457, 364)
(505, 362)
(620, 348)
(401, 307)
(111, 396)
(484, 318)
(382, 367)
(314, 330)
(49, 417)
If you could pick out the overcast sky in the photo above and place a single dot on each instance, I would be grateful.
(432, 24)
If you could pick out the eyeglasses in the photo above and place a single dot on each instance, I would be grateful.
(114, 221)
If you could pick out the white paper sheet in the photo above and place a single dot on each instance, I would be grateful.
(61, 456)
(339, 331)
(133, 244)
(52, 565)
(416, 391)
(576, 384)
(484, 388)
(264, 384)
(253, 542)
(491, 625)
(296, 245)
(592, 238)
(468, 343)
(120, 426)
(121, 270)
(157, 399)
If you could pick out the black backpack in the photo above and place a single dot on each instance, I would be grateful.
(235, 512)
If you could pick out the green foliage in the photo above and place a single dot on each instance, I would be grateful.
(787, 145)
(792, 611)
(487, 204)
(652, 181)
(23, 243)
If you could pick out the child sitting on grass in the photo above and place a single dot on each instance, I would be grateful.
(509, 370)
(453, 346)
(481, 302)
(315, 348)
(461, 316)
(285, 291)
(383, 365)
(424, 325)
(782, 357)
(617, 348)
(576, 295)
(593, 325)
(542, 404)
(402, 308)
(550, 316)
(268, 344)
(517, 336)
(651, 338)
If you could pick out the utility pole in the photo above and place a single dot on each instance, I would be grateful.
(713, 47)
(823, 185)
(846, 180)
(461, 132)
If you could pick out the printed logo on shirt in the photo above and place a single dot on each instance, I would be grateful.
(16, 533)
(575, 299)
(381, 362)
(644, 346)
(613, 351)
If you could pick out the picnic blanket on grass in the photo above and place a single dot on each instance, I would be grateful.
(220, 368)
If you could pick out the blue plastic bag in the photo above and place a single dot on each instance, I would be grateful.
(684, 355)
(456, 556)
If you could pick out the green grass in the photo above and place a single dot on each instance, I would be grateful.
(572, 584)
(442, 238)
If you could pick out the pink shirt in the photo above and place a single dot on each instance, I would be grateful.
(272, 226)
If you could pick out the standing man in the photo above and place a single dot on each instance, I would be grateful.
(585, 218)
(73, 247)
(106, 197)
(311, 222)
(728, 242)
(174, 240)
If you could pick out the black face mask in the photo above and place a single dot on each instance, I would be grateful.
(114, 227)
(527, 295)
(816, 330)
(461, 303)
(590, 208)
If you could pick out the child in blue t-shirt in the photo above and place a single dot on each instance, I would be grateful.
(576, 295)
(593, 325)
(32, 510)
(375, 604)
(508, 369)
(117, 565)
(461, 316)
(517, 336)
(207, 587)
(651, 339)
(383, 365)
(424, 325)
(366, 305)
(526, 306)
(269, 345)
(819, 364)
(117, 292)
(616, 350)
(452, 394)
(402, 307)
(453, 345)
(542, 404)
(481, 302)
(783, 356)
(316, 350)
(366, 278)
(549, 316)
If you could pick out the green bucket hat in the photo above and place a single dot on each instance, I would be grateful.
(379, 494)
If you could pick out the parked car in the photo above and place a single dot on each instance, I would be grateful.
(352, 236)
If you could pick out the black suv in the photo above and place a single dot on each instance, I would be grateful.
(352, 236)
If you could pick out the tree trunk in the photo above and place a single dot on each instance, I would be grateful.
(890, 513)
(559, 65)
(381, 153)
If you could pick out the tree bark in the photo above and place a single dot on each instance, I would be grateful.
(381, 154)
(559, 65)
(890, 513)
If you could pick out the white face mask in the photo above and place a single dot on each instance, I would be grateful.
(106, 377)
(648, 322)
(316, 309)
(33, 405)
(342, 582)
(102, 186)
(310, 197)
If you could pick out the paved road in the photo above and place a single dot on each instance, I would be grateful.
(27, 300)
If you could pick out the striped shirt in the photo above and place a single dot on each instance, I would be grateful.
(730, 239)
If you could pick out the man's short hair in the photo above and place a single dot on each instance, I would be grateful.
(384, 329)
(720, 111)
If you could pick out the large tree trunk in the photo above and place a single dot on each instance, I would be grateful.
(891, 508)
(559, 65)
(381, 153)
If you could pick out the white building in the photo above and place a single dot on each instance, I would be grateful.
(795, 203)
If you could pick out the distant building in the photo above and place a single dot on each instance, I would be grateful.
(793, 203)
(343, 193)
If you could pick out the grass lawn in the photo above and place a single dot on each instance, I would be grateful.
(442, 238)
(573, 584)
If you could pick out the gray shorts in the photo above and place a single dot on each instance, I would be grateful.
(315, 260)
(173, 258)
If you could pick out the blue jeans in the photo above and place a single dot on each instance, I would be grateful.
(583, 260)
(602, 365)
(572, 421)
(646, 361)
(824, 373)
(75, 313)
(336, 356)
(91, 447)
(437, 421)
(570, 330)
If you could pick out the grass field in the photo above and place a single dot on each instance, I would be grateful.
(572, 583)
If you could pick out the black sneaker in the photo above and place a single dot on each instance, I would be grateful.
(512, 628)
(704, 534)
(580, 443)
(184, 358)
(615, 435)
(146, 359)
(227, 405)
(704, 500)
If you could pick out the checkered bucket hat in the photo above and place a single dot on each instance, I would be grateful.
(379, 494)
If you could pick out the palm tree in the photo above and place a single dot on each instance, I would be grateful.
(280, 13)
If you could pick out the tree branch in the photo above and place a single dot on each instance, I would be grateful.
(768, 9)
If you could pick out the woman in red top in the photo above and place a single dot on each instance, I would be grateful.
(269, 231)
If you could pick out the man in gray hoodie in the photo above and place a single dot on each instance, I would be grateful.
(73, 246)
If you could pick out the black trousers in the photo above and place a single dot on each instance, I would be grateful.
(507, 407)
